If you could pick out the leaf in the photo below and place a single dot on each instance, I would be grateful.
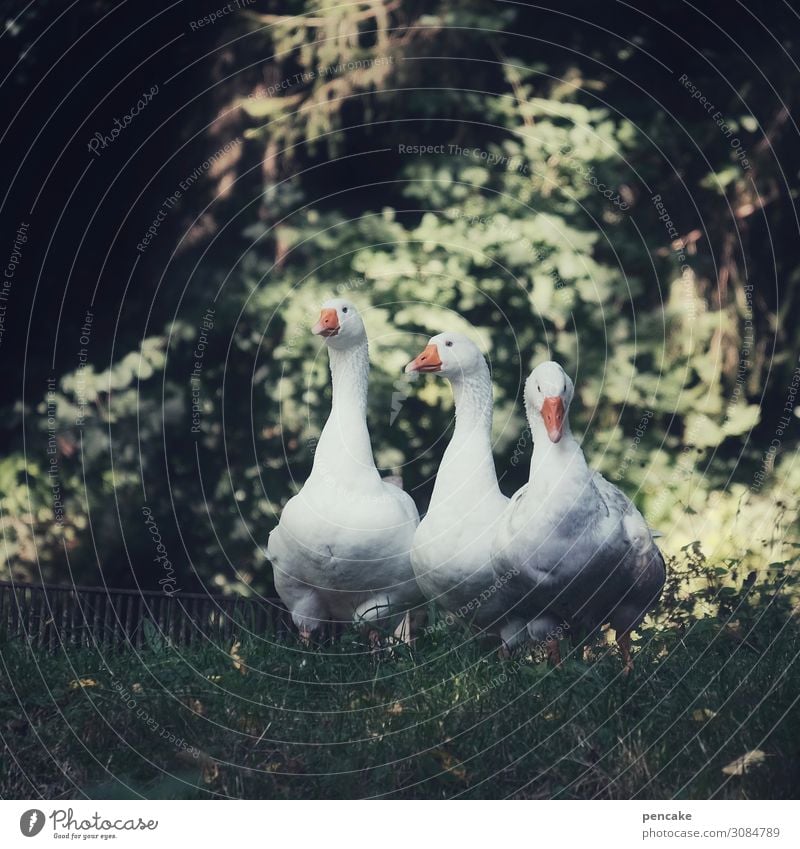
(262, 108)
(745, 763)
(703, 714)
(450, 764)
(197, 757)
(82, 683)
(749, 123)
(238, 661)
(706, 433)
(741, 419)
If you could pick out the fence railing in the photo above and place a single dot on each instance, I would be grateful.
(50, 616)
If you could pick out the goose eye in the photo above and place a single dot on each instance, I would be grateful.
(344, 309)
(449, 344)
(538, 388)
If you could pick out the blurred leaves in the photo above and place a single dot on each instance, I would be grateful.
(532, 232)
(747, 762)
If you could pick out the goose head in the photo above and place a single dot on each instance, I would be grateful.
(548, 393)
(451, 355)
(340, 325)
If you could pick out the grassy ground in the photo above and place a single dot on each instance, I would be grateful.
(447, 719)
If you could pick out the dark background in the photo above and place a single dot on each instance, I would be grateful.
(472, 73)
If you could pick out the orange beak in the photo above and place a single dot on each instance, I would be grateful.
(328, 324)
(553, 415)
(427, 361)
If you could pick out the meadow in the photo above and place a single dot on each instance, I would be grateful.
(710, 711)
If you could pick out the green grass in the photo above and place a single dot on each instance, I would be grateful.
(446, 719)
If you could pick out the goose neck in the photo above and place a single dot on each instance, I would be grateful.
(555, 466)
(472, 395)
(467, 474)
(350, 378)
(344, 449)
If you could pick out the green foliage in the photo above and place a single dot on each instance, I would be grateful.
(540, 240)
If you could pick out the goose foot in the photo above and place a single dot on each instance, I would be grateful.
(305, 636)
(624, 643)
(374, 638)
(504, 652)
(553, 653)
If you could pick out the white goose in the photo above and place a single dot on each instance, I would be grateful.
(583, 553)
(342, 548)
(451, 554)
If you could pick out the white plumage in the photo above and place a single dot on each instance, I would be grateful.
(583, 553)
(451, 554)
(342, 548)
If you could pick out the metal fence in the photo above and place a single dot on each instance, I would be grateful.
(50, 616)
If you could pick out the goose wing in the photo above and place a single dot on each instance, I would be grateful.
(640, 566)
